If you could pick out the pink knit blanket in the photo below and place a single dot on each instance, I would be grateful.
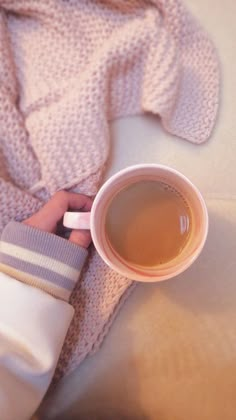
(67, 67)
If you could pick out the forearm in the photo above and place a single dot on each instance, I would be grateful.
(38, 273)
(33, 326)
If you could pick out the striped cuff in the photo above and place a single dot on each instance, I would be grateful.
(41, 259)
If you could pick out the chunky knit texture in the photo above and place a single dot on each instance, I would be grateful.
(66, 69)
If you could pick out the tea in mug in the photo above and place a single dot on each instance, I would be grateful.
(148, 223)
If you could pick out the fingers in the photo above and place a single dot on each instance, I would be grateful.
(64, 200)
(52, 212)
(81, 238)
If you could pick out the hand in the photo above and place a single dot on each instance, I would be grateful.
(49, 216)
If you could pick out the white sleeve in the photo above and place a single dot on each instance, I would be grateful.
(29, 351)
(38, 272)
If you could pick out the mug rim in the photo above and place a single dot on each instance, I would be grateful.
(180, 267)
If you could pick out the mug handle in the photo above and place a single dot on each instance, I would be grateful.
(77, 220)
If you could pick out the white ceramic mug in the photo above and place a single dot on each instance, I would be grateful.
(95, 221)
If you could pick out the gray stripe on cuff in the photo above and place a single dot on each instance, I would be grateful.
(38, 271)
(45, 243)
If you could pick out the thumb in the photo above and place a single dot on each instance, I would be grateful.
(81, 238)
